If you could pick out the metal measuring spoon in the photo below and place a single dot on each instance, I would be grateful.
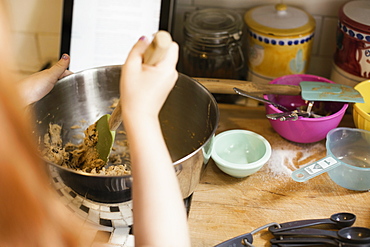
(282, 116)
(285, 116)
(347, 234)
(243, 93)
(339, 220)
(309, 107)
(293, 115)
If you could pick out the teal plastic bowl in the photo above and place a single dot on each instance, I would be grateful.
(240, 153)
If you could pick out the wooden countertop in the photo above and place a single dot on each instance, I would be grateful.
(224, 207)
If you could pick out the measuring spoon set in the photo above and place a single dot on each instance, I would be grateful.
(334, 231)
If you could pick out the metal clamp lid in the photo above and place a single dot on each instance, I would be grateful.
(214, 26)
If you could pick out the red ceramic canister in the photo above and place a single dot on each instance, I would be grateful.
(352, 55)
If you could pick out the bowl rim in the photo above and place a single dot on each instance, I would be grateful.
(330, 153)
(253, 165)
(361, 84)
(360, 111)
(175, 163)
(358, 106)
(323, 79)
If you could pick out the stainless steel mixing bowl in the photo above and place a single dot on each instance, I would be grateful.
(189, 119)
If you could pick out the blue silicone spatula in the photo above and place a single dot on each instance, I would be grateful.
(320, 91)
(107, 125)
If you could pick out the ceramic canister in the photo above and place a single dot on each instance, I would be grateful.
(352, 55)
(279, 41)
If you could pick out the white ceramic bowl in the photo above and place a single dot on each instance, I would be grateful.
(240, 153)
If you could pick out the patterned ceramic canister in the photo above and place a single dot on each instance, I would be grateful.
(352, 53)
(279, 41)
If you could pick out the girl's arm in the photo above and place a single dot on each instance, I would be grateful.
(159, 211)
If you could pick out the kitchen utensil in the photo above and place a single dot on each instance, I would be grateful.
(298, 245)
(347, 160)
(338, 220)
(360, 113)
(243, 93)
(245, 239)
(292, 115)
(312, 241)
(309, 106)
(240, 153)
(286, 116)
(347, 234)
(318, 91)
(304, 130)
(312, 90)
(107, 125)
(78, 99)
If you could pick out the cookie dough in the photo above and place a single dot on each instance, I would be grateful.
(80, 157)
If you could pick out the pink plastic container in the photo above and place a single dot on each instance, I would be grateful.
(304, 130)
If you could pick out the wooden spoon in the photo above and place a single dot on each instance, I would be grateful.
(107, 125)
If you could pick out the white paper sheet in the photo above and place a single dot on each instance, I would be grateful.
(104, 31)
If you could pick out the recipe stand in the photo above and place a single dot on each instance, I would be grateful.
(98, 33)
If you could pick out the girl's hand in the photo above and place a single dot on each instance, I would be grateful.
(144, 88)
(36, 86)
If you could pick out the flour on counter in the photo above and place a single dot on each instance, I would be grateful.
(284, 161)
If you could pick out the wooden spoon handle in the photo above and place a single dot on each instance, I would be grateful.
(153, 54)
(226, 86)
(158, 48)
(115, 119)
